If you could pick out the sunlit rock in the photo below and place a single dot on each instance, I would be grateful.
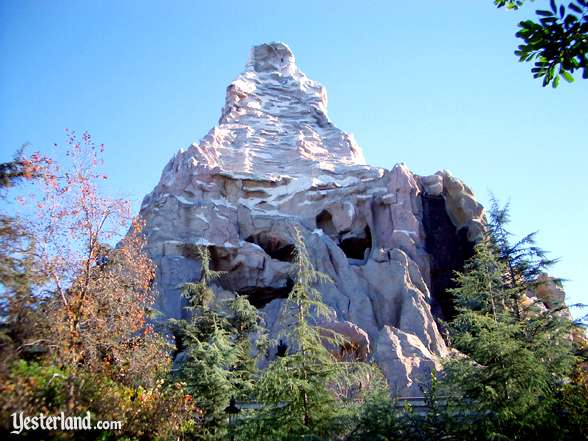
(274, 162)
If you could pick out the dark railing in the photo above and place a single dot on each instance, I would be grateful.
(418, 404)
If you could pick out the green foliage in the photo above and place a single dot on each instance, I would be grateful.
(557, 41)
(155, 412)
(47, 382)
(514, 372)
(122, 363)
(14, 171)
(513, 368)
(510, 4)
(21, 311)
(378, 420)
(525, 264)
(199, 293)
(302, 392)
(219, 363)
(381, 418)
(437, 423)
(524, 260)
(208, 378)
(481, 287)
(516, 377)
(574, 403)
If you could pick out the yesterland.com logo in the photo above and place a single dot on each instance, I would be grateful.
(21, 422)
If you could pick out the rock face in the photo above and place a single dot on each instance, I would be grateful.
(389, 239)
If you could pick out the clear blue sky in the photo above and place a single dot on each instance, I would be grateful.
(429, 83)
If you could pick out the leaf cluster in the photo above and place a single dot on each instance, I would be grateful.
(557, 40)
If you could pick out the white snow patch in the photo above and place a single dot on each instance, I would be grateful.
(201, 241)
(183, 200)
(407, 232)
(203, 218)
(350, 211)
(222, 202)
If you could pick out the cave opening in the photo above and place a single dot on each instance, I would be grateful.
(274, 246)
(221, 258)
(449, 249)
(358, 246)
(259, 296)
(324, 221)
(355, 244)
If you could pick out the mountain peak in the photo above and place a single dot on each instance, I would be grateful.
(274, 56)
(274, 124)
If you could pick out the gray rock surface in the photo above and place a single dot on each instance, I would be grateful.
(274, 162)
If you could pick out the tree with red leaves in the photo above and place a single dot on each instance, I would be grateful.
(84, 327)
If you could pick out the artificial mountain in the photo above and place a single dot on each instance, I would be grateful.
(389, 239)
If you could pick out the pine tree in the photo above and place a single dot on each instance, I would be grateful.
(22, 168)
(511, 369)
(22, 319)
(378, 418)
(298, 390)
(219, 364)
(524, 261)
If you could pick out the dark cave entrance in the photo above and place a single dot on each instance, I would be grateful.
(259, 296)
(324, 221)
(355, 244)
(355, 247)
(449, 248)
(238, 280)
(274, 246)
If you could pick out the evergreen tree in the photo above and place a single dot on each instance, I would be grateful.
(217, 341)
(381, 419)
(298, 391)
(22, 168)
(524, 260)
(378, 420)
(511, 370)
(525, 264)
(20, 315)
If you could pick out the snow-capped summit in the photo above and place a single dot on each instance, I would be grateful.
(274, 124)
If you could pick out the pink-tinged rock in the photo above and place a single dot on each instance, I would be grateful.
(405, 361)
(354, 344)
